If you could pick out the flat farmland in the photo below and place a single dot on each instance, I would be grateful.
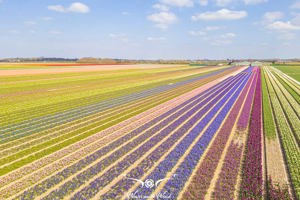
(73, 131)
(291, 70)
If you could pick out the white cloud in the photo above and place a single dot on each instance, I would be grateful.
(162, 19)
(203, 2)
(55, 32)
(125, 13)
(76, 7)
(30, 23)
(287, 36)
(178, 3)
(47, 18)
(253, 2)
(79, 8)
(14, 31)
(121, 37)
(32, 31)
(228, 35)
(220, 42)
(283, 26)
(223, 3)
(156, 38)
(296, 19)
(197, 33)
(57, 8)
(212, 28)
(161, 7)
(223, 14)
(296, 5)
(272, 16)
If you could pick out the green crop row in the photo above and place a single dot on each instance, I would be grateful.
(269, 126)
(294, 104)
(292, 71)
(288, 87)
(290, 146)
(291, 116)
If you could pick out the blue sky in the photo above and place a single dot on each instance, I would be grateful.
(150, 29)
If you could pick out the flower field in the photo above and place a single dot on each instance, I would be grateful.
(149, 132)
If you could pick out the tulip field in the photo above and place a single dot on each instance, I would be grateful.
(149, 132)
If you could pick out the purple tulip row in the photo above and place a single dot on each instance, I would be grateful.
(245, 115)
(69, 171)
(123, 185)
(101, 181)
(228, 177)
(183, 172)
(252, 178)
(204, 174)
(227, 180)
